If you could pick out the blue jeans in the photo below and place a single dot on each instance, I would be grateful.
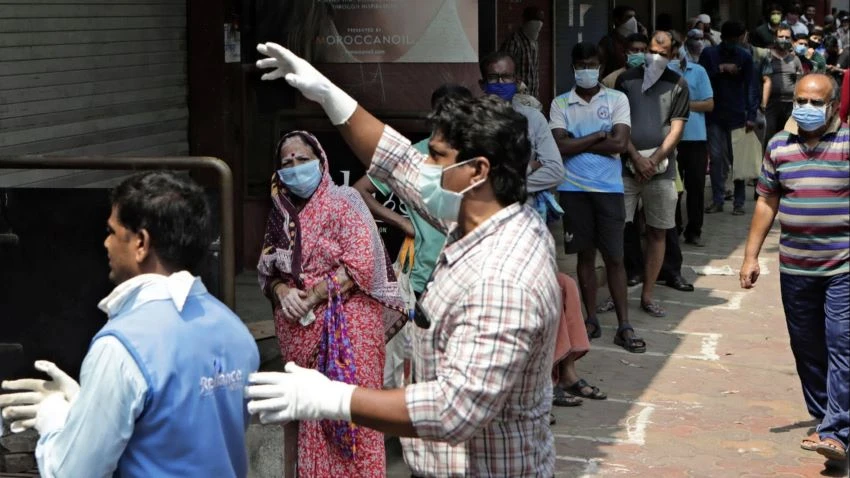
(817, 311)
(720, 154)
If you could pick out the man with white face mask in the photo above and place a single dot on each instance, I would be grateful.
(486, 323)
(804, 182)
(657, 97)
(591, 125)
(522, 45)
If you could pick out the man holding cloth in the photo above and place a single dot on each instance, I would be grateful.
(657, 96)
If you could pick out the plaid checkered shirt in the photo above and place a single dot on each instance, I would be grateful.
(483, 388)
(524, 52)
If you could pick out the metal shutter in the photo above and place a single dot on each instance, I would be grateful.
(91, 77)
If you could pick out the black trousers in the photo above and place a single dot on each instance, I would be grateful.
(692, 158)
(633, 257)
(776, 114)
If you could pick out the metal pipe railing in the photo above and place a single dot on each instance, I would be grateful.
(225, 180)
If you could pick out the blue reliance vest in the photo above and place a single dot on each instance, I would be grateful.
(196, 365)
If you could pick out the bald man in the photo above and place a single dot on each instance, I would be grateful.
(804, 176)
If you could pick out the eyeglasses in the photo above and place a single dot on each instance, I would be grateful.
(497, 78)
(815, 103)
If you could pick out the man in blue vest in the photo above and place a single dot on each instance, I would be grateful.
(161, 387)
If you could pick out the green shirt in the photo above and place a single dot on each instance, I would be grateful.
(429, 240)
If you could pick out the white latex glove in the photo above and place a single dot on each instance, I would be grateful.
(298, 394)
(22, 408)
(52, 413)
(313, 85)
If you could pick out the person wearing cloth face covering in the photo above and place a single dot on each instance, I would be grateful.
(486, 324)
(321, 240)
(804, 182)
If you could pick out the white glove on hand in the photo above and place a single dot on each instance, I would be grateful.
(298, 394)
(22, 408)
(313, 85)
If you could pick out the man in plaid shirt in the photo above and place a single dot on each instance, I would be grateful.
(486, 324)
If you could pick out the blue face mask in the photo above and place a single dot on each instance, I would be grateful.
(800, 49)
(302, 180)
(635, 59)
(809, 117)
(440, 203)
(588, 78)
(505, 91)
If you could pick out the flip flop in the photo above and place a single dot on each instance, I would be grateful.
(560, 398)
(577, 389)
(653, 309)
(635, 345)
(811, 442)
(832, 449)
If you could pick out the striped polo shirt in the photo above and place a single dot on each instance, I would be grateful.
(813, 185)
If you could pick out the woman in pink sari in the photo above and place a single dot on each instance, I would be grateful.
(321, 241)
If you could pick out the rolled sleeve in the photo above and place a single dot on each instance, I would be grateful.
(396, 163)
(551, 171)
(484, 358)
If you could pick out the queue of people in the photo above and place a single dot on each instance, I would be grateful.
(496, 329)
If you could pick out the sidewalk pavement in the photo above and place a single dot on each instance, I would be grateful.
(715, 395)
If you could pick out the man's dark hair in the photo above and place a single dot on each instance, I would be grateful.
(488, 126)
(637, 37)
(491, 58)
(774, 7)
(620, 12)
(795, 10)
(584, 50)
(731, 29)
(172, 209)
(830, 42)
(531, 13)
(449, 89)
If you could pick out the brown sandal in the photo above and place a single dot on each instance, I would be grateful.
(832, 449)
(811, 442)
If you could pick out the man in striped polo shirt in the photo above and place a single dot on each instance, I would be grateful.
(806, 180)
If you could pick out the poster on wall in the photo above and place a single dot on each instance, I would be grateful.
(372, 31)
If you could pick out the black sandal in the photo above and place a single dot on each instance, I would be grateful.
(597, 329)
(635, 345)
(577, 389)
(560, 398)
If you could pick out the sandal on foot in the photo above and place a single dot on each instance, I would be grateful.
(811, 442)
(560, 398)
(832, 449)
(635, 345)
(578, 389)
(596, 331)
(606, 306)
(653, 309)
